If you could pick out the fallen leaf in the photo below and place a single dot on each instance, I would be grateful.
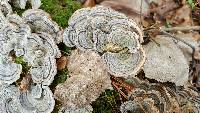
(25, 83)
(192, 39)
(126, 7)
(163, 7)
(181, 17)
(61, 63)
(89, 3)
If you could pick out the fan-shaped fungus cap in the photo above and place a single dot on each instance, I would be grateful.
(69, 37)
(44, 73)
(40, 51)
(9, 72)
(124, 64)
(40, 21)
(149, 97)
(40, 54)
(165, 62)
(40, 46)
(31, 104)
(8, 97)
(109, 33)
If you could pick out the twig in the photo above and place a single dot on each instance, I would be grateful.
(122, 83)
(172, 36)
(141, 5)
(186, 28)
(121, 92)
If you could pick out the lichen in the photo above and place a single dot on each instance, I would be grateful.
(87, 74)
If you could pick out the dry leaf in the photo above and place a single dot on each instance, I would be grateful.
(163, 7)
(181, 17)
(61, 63)
(25, 83)
(198, 1)
(126, 7)
(89, 3)
(191, 38)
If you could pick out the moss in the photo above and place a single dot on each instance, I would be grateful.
(60, 10)
(108, 102)
(57, 107)
(191, 3)
(64, 49)
(25, 67)
(59, 78)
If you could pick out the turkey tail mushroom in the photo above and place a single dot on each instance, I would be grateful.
(113, 35)
(40, 21)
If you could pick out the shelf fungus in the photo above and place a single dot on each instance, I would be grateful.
(9, 72)
(22, 3)
(45, 72)
(87, 74)
(113, 35)
(40, 54)
(12, 38)
(166, 62)
(15, 101)
(40, 21)
(37, 104)
(9, 102)
(37, 46)
(158, 98)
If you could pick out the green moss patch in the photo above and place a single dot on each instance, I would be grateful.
(60, 10)
(108, 102)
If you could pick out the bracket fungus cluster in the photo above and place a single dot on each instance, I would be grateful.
(157, 98)
(15, 101)
(116, 40)
(107, 42)
(34, 37)
(111, 34)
